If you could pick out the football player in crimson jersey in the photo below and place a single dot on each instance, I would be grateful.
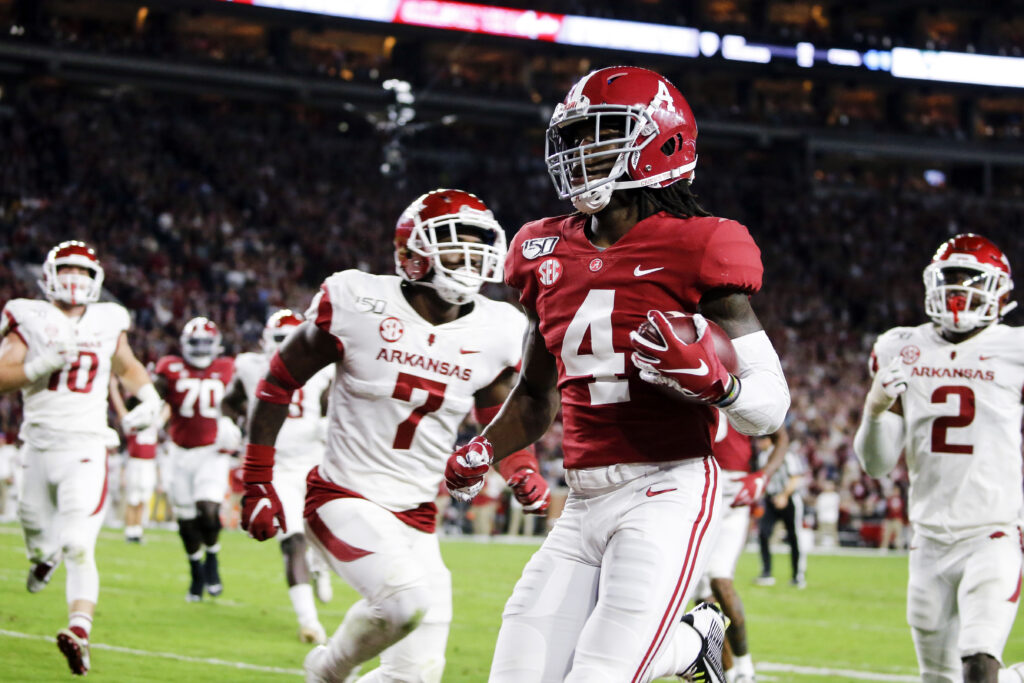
(61, 353)
(413, 355)
(139, 469)
(201, 440)
(645, 494)
(740, 488)
(299, 448)
(948, 394)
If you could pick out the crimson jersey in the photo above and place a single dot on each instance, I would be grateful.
(588, 300)
(194, 395)
(732, 449)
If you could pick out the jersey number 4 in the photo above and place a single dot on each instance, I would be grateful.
(942, 424)
(603, 363)
(404, 386)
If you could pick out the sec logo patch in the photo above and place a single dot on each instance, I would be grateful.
(549, 271)
(391, 329)
(910, 354)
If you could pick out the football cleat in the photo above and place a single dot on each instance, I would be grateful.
(798, 582)
(39, 575)
(312, 632)
(75, 649)
(322, 586)
(709, 623)
(211, 575)
(764, 580)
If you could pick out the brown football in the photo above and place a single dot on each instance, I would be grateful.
(682, 325)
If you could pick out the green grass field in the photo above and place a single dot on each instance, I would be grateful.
(848, 625)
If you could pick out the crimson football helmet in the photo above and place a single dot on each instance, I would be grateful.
(452, 235)
(278, 327)
(72, 288)
(615, 122)
(200, 342)
(977, 295)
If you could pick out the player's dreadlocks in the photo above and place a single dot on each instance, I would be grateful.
(677, 199)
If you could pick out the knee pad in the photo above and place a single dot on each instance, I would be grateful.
(403, 610)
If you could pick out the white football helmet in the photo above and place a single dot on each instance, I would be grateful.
(278, 327)
(427, 234)
(967, 284)
(200, 342)
(72, 288)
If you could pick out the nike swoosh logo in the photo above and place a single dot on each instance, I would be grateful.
(640, 272)
(468, 351)
(700, 370)
(263, 503)
(985, 357)
(651, 493)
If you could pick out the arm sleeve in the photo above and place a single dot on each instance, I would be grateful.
(878, 443)
(764, 395)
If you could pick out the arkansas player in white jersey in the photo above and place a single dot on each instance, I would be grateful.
(413, 355)
(300, 448)
(193, 385)
(602, 598)
(740, 488)
(948, 394)
(61, 354)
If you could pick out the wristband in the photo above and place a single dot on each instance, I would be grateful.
(731, 394)
(258, 465)
(147, 394)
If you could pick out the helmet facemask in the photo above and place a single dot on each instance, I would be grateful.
(602, 136)
(458, 264)
(200, 343)
(76, 289)
(963, 295)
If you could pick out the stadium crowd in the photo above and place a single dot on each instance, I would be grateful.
(231, 210)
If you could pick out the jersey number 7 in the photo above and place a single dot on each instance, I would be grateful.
(404, 387)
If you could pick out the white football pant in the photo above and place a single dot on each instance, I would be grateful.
(599, 602)
(139, 480)
(961, 600)
(406, 608)
(61, 508)
(199, 473)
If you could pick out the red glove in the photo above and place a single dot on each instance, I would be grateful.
(530, 490)
(262, 513)
(466, 468)
(751, 491)
(693, 370)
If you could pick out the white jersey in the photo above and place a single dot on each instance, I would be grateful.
(404, 386)
(300, 442)
(72, 400)
(962, 411)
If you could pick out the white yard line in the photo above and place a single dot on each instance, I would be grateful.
(164, 655)
(766, 667)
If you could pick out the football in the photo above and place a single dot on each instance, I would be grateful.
(682, 325)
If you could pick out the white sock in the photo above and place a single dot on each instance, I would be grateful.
(743, 665)
(197, 556)
(213, 549)
(302, 602)
(678, 654)
(82, 621)
(134, 531)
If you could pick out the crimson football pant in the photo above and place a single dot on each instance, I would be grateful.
(60, 507)
(599, 602)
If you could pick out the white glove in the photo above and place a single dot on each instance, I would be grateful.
(889, 383)
(229, 436)
(147, 413)
(57, 352)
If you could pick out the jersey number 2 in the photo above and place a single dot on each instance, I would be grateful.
(404, 387)
(946, 422)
